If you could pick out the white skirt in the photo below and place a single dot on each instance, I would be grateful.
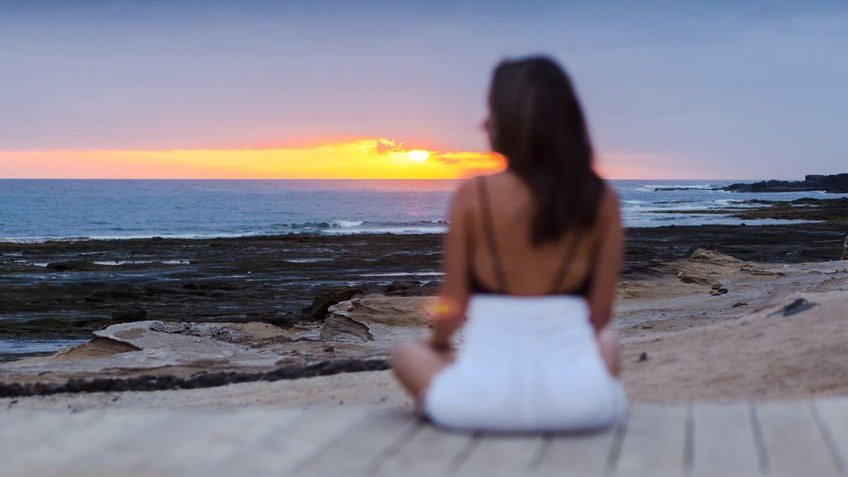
(527, 364)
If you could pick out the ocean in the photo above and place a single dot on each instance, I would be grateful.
(38, 210)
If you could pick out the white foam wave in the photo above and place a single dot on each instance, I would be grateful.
(346, 223)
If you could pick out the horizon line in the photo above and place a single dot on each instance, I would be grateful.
(336, 179)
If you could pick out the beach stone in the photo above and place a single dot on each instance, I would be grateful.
(845, 249)
(341, 328)
(317, 311)
(643, 357)
(798, 306)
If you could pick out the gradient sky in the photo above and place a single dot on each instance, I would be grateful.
(151, 88)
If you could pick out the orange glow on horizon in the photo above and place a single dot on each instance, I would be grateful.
(356, 159)
(370, 158)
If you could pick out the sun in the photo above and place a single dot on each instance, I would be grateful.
(418, 155)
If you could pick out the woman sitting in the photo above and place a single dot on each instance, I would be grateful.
(532, 258)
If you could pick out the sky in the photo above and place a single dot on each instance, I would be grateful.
(214, 89)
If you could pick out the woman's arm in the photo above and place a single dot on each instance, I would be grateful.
(607, 266)
(452, 303)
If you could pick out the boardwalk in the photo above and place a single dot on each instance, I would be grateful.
(807, 438)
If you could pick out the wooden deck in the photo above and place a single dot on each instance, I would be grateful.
(806, 438)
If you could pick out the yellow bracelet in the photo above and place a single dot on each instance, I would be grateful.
(444, 308)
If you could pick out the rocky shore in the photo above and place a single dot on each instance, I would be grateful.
(706, 327)
(169, 313)
(834, 183)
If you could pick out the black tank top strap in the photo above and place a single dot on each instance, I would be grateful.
(563, 268)
(489, 231)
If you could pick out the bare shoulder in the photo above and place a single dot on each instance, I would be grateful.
(610, 206)
(463, 197)
(464, 190)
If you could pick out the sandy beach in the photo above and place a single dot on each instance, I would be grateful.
(300, 320)
(707, 327)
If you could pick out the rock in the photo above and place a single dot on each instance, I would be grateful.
(340, 328)
(739, 303)
(206, 330)
(835, 183)
(129, 314)
(412, 288)
(716, 291)
(705, 267)
(69, 265)
(317, 311)
(151, 382)
(799, 305)
(643, 357)
(845, 249)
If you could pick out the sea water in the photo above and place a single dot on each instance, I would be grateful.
(37, 210)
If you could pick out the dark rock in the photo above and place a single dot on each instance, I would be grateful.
(716, 291)
(799, 305)
(129, 314)
(69, 265)
(317, 311)
(412, 288)
(739, 303)
(836, 183)
(643, 356)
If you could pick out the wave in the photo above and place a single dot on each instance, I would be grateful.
(678, 187)
(346, 223)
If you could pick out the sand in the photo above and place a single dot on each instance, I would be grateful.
(682, 338)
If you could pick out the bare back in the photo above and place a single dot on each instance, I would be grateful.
(500, 222)
(592, 257)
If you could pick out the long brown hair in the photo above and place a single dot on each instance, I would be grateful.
(538, 125)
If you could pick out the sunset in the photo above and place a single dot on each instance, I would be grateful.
(269, 238)
(354, 159)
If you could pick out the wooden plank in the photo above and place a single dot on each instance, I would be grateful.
(502, 455)
(430, 452)
(280, 450)
(793, 443)
(26, 437)
(81, 450)
(654, 443)
(579, 454)
(197, 446)
(361, 449)
(832, 416)
(724, 441)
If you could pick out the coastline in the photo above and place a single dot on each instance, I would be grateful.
(272, 294)
(67, 289)
(82, 286)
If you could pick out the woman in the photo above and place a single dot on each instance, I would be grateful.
(532, 257)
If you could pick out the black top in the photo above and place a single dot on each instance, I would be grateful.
(474, 283)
